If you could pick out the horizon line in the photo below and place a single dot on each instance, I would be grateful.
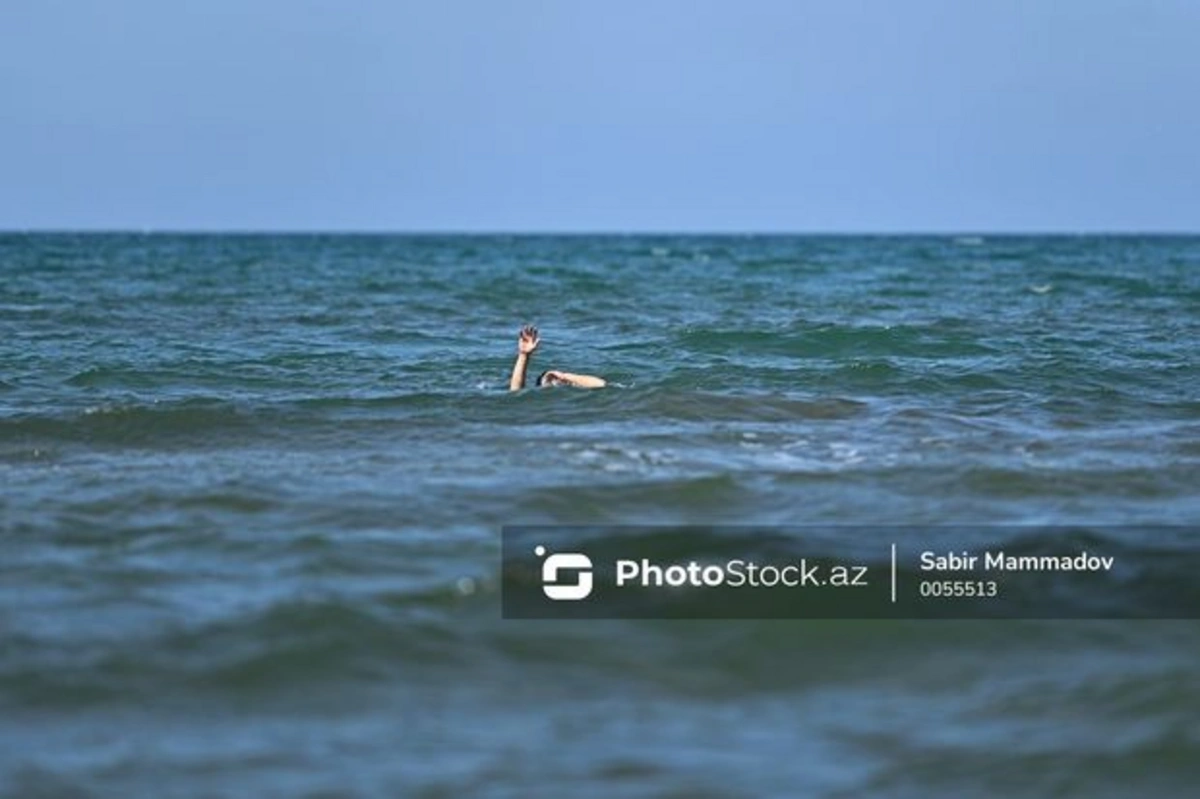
(431, 232)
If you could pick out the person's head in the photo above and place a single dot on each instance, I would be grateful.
(550, 378)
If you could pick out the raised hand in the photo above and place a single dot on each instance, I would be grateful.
(527, 340)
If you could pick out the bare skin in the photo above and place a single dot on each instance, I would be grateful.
(527, 343)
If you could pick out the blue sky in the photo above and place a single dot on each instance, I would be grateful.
(571, 115)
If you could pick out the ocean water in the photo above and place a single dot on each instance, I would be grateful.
(251, 492)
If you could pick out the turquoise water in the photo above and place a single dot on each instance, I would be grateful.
(252, 489)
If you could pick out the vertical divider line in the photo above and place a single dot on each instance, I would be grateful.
(893, 574)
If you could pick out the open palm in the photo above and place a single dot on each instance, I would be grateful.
(527, 340)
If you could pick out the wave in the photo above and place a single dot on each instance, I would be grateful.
(302, 640)
(134, 423)
(945, 339)
(215, 420)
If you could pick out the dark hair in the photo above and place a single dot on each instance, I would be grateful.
(541, 379)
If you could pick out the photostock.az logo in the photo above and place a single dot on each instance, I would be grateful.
(576, 562)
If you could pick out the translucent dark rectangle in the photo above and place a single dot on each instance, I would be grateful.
(851, 572)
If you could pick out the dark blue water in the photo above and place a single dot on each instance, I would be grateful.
(251, 490)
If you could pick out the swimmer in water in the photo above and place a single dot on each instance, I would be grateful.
(527, 342)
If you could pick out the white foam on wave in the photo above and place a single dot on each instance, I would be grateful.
(845, 453)
(618, 459)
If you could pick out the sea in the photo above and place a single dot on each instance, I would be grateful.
(253, 488)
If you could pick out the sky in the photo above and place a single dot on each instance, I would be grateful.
(615, 115)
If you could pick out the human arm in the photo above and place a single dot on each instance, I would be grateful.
(527, 342)
(577, 380)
